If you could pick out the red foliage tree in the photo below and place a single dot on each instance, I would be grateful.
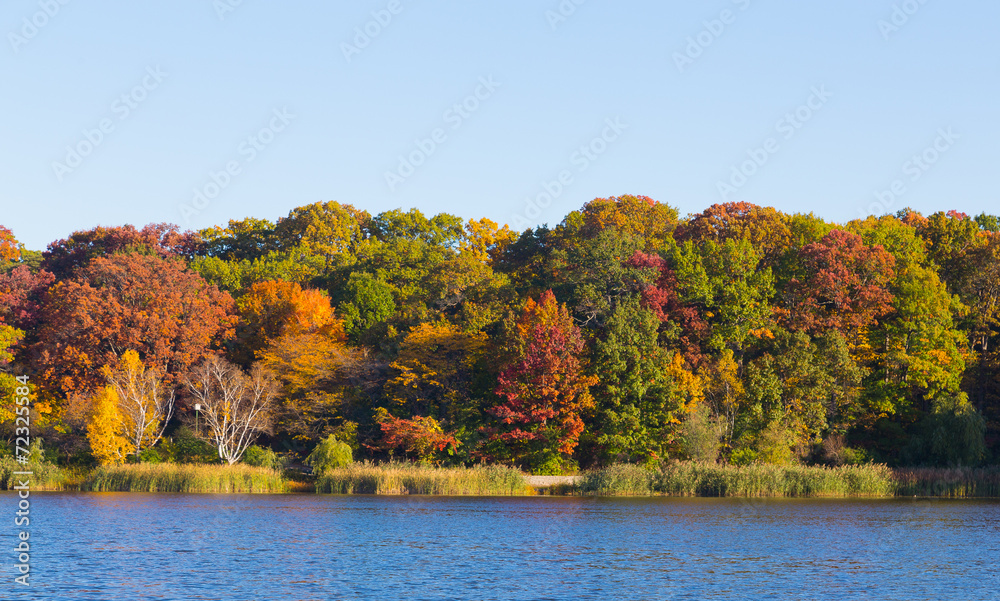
(20, 293)
(168, 314)
(663, 300)
(543, 385)
(420, 437)
(65, 257)
(843, 285)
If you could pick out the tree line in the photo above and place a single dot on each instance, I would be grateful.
(623, 334)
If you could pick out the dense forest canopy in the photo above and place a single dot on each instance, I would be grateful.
(623, 334)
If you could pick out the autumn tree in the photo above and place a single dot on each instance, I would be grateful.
(171, 316)
(236, 406)
(329, 230)
(639, 217)
(420, 438)
(485, 239)
(65, 257)
(543, 387)
(676, 304)
(273, 308)
(318, 375)
(10, 248)
(21, 291)
(765, 228)
(145, 402)
(106, 430)
(843, 286)
(433, 373)
(9, 337)
(242, 240)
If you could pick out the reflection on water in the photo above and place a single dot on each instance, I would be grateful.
(135, 546)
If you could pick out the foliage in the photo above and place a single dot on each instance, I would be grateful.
(420, 438)
(635, 398)
(329, 454)
(154, 306)
(184, 445)
(740, 334)
(700, 435)
(106, 430)
(315, 372)
(10, 248)
(260, 457)
(542, 385)
(143, 405)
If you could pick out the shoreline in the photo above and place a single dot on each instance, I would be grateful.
(686, 479)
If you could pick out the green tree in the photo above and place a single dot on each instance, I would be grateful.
(635, 399)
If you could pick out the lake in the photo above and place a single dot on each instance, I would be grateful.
(141, 546)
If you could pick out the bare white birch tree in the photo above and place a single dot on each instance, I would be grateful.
(236, 406)
(145, 403)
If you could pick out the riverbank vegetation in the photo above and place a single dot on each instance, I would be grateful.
(759, 480)
(800, 351)
(408, 478)
(169, 477)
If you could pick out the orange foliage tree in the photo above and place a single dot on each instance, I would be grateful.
(274, 308)
(10, 249)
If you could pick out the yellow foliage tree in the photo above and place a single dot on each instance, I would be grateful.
(315, 371)
(143, 402)
(434, 369)
(106, 429)
(484, 239)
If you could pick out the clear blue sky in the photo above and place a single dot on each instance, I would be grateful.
(219, 81)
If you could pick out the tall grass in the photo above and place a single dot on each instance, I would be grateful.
(708, 480)
(962, 482)
(185, 478)
(44, 475)
(410, 479)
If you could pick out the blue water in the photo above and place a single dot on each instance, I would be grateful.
(136, 546)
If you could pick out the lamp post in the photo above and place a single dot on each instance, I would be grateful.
(197, 408)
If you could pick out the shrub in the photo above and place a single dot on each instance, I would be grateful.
(700, 436)
(150, 455)
(260, 457)
(329, 454)
(45, 474)
(185, 447)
